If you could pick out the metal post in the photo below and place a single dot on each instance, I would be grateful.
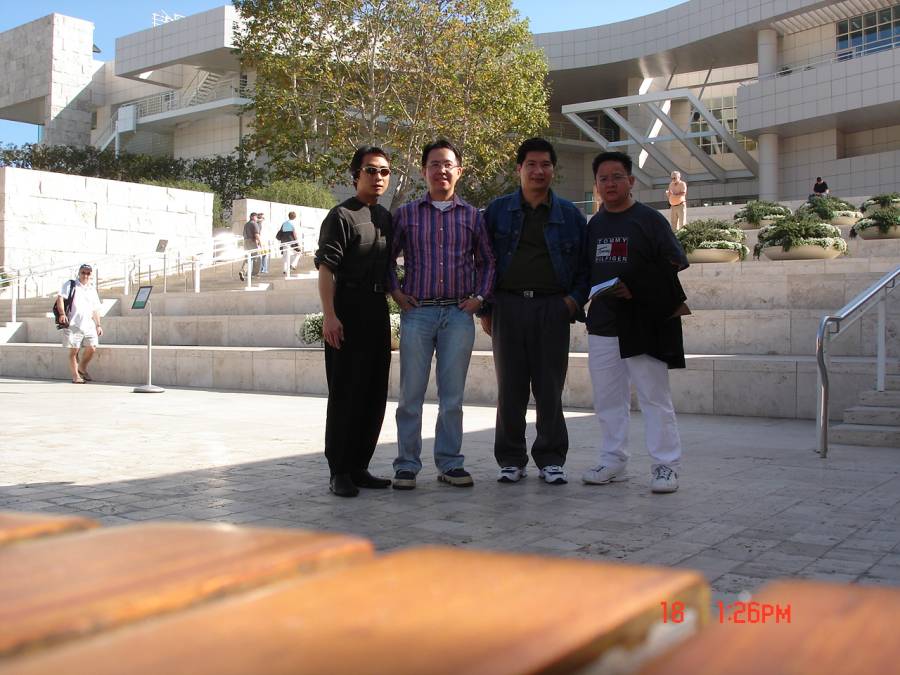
(822, 402)
(881, 353)
(249, 270)
(165, 272)
(149, 275)
(127, 277)
(196, 276)
(15, 292)
(149, 388)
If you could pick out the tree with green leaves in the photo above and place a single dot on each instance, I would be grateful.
(331, 75)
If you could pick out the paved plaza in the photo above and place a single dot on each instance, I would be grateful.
(755, 502)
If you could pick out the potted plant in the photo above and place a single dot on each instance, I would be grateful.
(881, 223)
(759, 213)
(711, 240)
(831, 210)
(885, 201)
(311, 332)
(800, 237)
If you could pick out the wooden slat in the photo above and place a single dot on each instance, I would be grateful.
(65, 587)
(16, 526)
(833, 629)
(418, 611)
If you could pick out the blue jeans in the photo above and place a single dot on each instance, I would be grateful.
(449, 333)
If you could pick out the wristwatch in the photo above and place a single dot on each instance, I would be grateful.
(480, 298)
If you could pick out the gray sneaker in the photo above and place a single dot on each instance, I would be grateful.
(663, 479)
(603, 474)
(511, 474)
(457, 478)
(553, 474)
(404, 480)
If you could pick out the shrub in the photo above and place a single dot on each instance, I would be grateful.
(297, 192)
(884, 219)
(756, 211)
(799, 230)
(827, 207)
(711, 233)
(184, 184)
(891, 199)
(311, 332)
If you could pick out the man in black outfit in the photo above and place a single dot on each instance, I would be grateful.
(352, 259)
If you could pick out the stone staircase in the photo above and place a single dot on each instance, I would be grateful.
(750, 340)
(875, 421)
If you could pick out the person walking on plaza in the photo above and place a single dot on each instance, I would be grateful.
(251, 242)
(448, 273)
(290, 246)
(634, 329)
(352, 259)
(263, 241)
(80, 321)
(677, 194)
(539, 244)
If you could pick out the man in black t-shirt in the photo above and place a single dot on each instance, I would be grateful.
(820, 188)
(353, 259)
(634, 333)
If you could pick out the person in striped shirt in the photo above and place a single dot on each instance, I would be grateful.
(449, 271)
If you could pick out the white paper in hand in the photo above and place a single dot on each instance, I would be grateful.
(604, 288)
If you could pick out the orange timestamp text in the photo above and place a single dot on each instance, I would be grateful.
(738, 612)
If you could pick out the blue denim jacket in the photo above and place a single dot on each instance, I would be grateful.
(565, 234)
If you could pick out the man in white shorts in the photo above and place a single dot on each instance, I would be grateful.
(82, 322)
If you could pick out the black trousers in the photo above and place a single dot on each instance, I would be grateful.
(531, 352)
(357, 376)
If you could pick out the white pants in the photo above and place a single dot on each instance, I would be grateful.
(289, 257)
(677, 215)
(611, 377)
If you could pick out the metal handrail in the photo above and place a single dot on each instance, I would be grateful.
(844, 318)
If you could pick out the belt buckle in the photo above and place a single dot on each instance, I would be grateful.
(528, 294)
(377, 288)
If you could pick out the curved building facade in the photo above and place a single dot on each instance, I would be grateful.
(745, 98)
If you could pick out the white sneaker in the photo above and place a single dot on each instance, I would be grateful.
(663, 479)
(511, 474)
(553, 474)
(602, 474)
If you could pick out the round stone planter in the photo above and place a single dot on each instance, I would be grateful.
(874, 233)
(713, 255)
(747, 225)
(845, 221)
(800, 253)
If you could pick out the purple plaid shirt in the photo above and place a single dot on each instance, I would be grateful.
(446, 254)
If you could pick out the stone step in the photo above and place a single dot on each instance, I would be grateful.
(882, 399)
(872, 415)
(721, 385)
(865, 434)
(892, 382)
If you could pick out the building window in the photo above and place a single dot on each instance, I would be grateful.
(724, 109)
(868, 33)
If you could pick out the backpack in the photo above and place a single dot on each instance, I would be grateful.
(67, 305)
(282, 236)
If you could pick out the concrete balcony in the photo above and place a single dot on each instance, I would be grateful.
(850, 95)
(204, 40)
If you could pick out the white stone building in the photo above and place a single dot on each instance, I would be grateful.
(745, 97)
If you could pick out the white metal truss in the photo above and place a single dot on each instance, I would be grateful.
(714, 172)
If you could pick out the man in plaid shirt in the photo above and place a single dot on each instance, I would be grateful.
(449, 271)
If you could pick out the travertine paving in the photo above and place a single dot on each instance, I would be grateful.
(755, 503)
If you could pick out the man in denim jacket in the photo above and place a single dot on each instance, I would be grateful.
(539, 242)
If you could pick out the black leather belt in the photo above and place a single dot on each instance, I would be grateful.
(533, 294)
(362, 286)
(440, 302)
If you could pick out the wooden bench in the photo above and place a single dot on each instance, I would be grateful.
(797, 627)
(66, 587)
(17, 526)
(428, 610)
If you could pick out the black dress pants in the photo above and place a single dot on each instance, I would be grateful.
(357, 376)
(531, 351)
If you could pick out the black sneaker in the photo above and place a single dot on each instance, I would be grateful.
(241, 276)
(404, 480)
(457, 477)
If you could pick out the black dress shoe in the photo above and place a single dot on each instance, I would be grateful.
(341, 485)
(363, 479)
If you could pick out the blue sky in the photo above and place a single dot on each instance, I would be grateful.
(114, 19)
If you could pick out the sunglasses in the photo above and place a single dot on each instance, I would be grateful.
(384, 172)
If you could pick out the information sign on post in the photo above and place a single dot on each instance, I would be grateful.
(142, 301)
